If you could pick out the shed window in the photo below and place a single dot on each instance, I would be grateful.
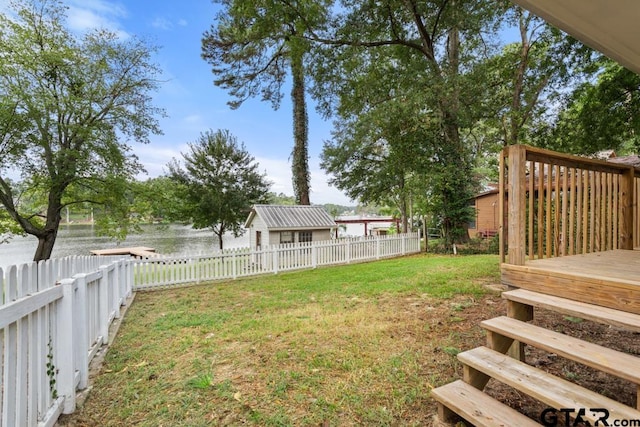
(305, 236)
(286, 237)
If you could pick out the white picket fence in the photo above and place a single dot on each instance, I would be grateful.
(54, 316)
(157, 272)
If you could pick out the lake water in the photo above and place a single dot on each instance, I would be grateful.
(79, 239)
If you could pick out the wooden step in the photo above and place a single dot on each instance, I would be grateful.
(596, 313)
(476, 407)
(548, 389)
(604, 359)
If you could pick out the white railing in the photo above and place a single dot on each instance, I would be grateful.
(50, 329)
(168, 271)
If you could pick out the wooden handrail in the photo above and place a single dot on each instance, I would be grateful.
(554, 204)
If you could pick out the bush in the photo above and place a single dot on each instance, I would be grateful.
(473, 247)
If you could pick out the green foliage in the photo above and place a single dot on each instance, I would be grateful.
(222, 182)
(159, 200)
(69, 104)
(281, 199)
(201, 382)
(252, 48)
(413, 83)
(51, 371)
(380, 155)
(527, 76)
(599, 115)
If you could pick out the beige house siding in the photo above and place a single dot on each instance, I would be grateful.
(486, 215)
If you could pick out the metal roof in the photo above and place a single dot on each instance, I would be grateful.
(292, 217)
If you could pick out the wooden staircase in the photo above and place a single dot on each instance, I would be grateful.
(502, 359)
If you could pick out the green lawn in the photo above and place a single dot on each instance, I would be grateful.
(359, 344)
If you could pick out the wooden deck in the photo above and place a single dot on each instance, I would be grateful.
(138, 251)
(568, 226)
(609, 279)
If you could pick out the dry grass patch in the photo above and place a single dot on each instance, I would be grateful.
(352, 345)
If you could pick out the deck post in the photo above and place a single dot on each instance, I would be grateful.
(523, 312)
(626, 210)
(516, 204)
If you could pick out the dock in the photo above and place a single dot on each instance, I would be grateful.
(138, 251)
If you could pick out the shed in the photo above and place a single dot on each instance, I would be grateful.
(275, 224)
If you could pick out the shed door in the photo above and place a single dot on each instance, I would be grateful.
(258, 239)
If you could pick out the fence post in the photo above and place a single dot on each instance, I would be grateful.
(104, 303)
(130, 277)
(123, 281)
(115, 288)
(404, 244)
(82, 342)
(65, 360)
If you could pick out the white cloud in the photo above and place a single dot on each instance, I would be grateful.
(86, 15)
(279, 172)
(162, 23)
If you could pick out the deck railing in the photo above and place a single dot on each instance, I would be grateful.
(554, 204)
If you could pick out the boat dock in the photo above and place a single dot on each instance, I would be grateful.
(138, 252)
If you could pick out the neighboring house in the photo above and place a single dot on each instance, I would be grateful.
(486, 219)
(359, 225)
(275, 224)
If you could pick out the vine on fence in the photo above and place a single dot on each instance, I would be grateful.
(51, 371)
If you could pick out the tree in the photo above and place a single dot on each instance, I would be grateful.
(65, 104)
(222, 182)
(378, 156)
(434, 45)
(598, 115)
(252, 49)
(158, 199)
(528, 78)
(281, 199)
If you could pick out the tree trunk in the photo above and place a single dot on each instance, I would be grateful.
(300, 155)
(457, 183)
(220, 242)
(45, 244)
(47, 236)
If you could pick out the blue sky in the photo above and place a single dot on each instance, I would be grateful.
(193, 103)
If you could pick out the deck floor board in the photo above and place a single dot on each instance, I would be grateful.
(610, 278)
